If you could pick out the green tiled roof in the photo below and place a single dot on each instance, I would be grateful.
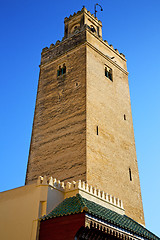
(78, 204)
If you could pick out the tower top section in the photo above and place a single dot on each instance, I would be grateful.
(76, 21)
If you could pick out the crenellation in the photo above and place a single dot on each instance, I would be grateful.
(45, 180)
(60, 43)
(55, 183)
(39, 180)
(74, 35)
(73, 185)
(57, 42)
(83, 185)
(51, 181)
(91, 189)
(61, 47)
(116, 50)
(107, 197)
(122, 55)
(99, 193)
(68, 186)
(62, 185)
(71, 16)
(79, 185)
(87, 187)
(44, 49)
(95, 191)
(106, 42)
(52, 45)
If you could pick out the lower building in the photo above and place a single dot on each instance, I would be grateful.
(53, 210)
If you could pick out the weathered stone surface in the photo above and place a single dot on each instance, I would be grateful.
(112, 152)
(58, 138)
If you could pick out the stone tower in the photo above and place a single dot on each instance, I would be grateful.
(82, 125)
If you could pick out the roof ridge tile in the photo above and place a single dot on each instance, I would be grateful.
(82, 203)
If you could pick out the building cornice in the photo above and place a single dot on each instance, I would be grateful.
(99, 224)
(107, 58)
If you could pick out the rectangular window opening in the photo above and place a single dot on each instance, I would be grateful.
(97, 130)
(108, 73)
(130, 174)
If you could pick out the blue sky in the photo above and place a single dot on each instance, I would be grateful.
(133, 27)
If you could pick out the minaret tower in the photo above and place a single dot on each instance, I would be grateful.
(82, 125)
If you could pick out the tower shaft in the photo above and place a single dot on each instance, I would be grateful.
(83, 123)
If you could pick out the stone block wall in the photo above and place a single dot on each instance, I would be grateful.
(111, 155)
(58, 136)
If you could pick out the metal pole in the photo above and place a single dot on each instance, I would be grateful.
(95, 11)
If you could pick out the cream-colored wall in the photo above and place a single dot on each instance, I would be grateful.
(54, 198)
(112, 152)
(20, 209)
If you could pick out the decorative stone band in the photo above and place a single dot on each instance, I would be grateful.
(87, 191)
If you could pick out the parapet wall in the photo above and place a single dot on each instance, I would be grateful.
(62, 47)
(87, 191)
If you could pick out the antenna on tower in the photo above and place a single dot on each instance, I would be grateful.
(95, 10)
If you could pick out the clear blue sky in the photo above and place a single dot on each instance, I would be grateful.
(133, 27)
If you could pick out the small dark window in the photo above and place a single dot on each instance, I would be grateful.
(92, 29)
(98, 31)
(66, 31)
(130, 174)
(108, 73)
(97, 130)
(61, 71)
(124, 116)
(64, 69)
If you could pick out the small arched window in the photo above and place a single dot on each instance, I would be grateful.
(75, 27)
(61, 70)
(92, 28)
